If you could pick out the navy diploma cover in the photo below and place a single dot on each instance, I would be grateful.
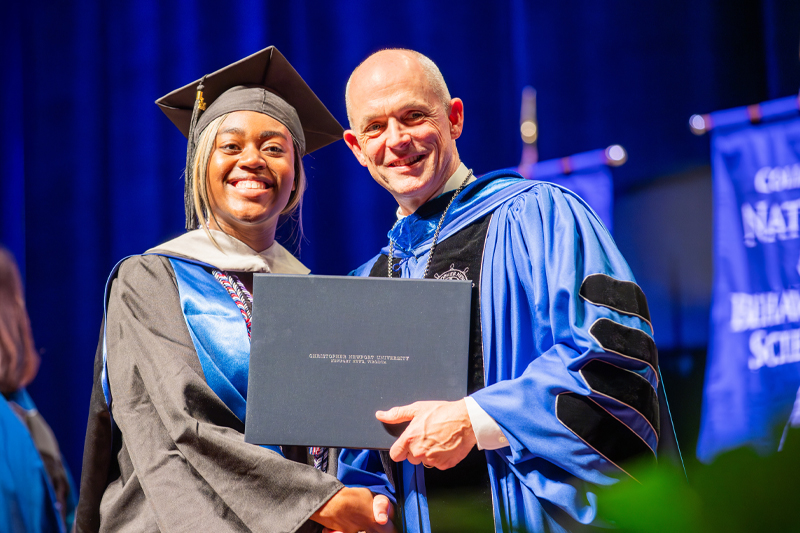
(329, 351)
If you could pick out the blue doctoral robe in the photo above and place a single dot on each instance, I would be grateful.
(27, 500)
(569, 361)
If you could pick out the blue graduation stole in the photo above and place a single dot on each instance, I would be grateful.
(217, 330)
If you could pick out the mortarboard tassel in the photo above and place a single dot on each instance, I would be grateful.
(188, 195)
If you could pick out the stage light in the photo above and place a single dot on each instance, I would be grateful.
(528, 127)
(616, 155)
(697, 123)
(529, 131)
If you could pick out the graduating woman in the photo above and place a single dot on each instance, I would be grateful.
(164, 446)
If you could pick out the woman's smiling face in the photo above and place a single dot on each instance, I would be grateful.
(250, 173)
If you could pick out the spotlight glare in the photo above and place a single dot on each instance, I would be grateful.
(616, 155)
(697, 123)
(529, 131)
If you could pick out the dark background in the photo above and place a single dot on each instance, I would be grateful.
(90, 171)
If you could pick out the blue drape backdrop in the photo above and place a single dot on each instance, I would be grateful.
(90, 171)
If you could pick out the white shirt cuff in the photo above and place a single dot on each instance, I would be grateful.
(487, 431)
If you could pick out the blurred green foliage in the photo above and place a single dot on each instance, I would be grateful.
(739, 492)
(461, 511)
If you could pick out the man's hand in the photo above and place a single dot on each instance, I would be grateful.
(440, 433)
(356, 509)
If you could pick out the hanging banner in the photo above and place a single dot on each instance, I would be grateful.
(753, 365)
(586, 174)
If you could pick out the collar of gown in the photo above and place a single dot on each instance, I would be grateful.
(411, 234)
(232, 253)
(453, 183)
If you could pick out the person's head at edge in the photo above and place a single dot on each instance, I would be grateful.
(403, 125)
(19, 361)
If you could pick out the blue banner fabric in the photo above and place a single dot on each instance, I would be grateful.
(753, 370)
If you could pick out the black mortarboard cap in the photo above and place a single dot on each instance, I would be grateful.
(264, 82)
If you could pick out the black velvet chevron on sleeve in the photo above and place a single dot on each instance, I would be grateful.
(599, 429)
(608, 434)
(624, 386)
(630, 342)
(623, 296)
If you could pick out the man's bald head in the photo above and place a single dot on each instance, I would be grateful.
(404, 125)
(401, 58)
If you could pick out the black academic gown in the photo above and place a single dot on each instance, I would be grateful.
(176, 459)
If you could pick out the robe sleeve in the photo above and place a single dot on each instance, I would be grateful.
(98, 463)
(186, 448)
(569, 357)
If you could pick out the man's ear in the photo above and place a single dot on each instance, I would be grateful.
(456, 118)
(352, 142)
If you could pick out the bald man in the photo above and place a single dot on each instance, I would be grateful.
(562, 384)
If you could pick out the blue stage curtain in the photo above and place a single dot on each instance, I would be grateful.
(91, 171)
(753, 368)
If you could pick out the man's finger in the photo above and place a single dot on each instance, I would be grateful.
(396, 415)
(399, 450)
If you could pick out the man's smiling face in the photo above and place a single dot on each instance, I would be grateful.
(402, 130)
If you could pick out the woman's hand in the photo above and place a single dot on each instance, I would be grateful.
(356, 509)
